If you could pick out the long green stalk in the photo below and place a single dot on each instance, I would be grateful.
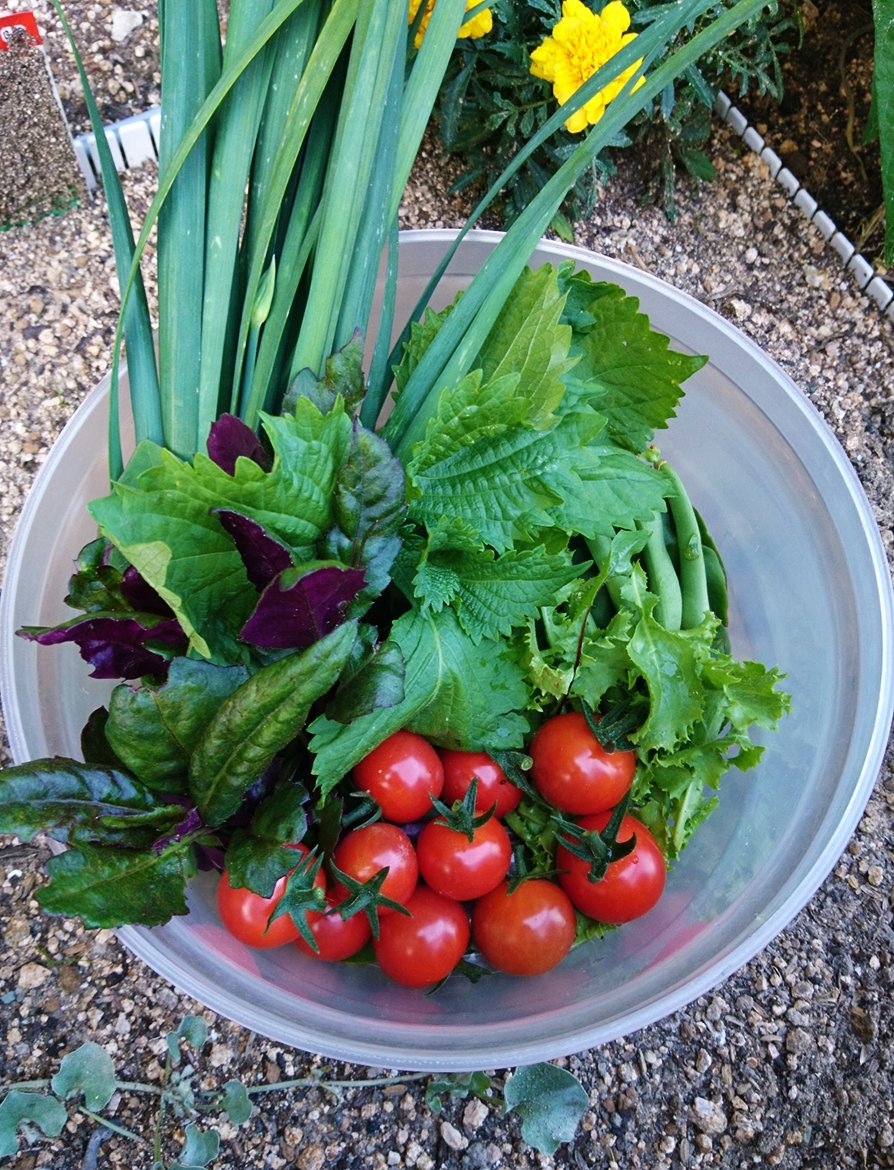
(234, 143)
(191, 52)
(292, 49)
(167, 178)
(380, 31)
(464, 332)
(263, 384)
(326, 53)
(142, 369)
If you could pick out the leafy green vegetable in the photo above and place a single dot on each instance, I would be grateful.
(531, 550)
(259, 719)
(109, 887)
(460, 692)
(77, 803)
(153, 729)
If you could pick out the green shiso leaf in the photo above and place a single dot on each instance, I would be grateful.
(457, 692)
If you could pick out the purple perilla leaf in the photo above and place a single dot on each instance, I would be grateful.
(301, 606)
(115, 647)
(140, 594)
(264, 558)
(229, 438)
(190, 823)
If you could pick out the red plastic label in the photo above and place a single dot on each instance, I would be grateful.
(23, 20)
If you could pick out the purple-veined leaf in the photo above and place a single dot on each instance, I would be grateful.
(300, 607)
(230, 438)
(264, 558)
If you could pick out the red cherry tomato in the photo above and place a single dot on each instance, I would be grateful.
(573, 771)
(363, 852)
(494, 789)
(246, 914)
(459, 868)
(525, 932)
(336, 937)
(401, 774)
(424, 946)
(631, 886)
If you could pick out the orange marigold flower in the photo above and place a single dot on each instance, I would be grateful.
(580, 44)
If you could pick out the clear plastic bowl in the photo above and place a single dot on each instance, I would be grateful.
(811, 593)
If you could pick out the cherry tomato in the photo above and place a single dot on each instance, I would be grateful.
(494, 789)
(363, 852)
(631, 886)
(525, 932)
(401, 774)
(424, 946)
(573, 771)
(336, 937)
(459, 868)
(246, 914)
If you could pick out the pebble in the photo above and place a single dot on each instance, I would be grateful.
(708, 1116)
(123, 22)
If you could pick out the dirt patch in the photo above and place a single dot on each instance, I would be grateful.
(818, 128)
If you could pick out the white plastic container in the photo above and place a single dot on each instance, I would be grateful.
(811, 593)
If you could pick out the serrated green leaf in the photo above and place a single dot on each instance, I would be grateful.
(751, 691)
(80, 803)
(111, 887)
(88, 1070)
(46, 1112)
(550, 1102)
(626, 371)
(492, 594)
(504, 486)
(261, 718)
(529, 343)
(154, 729)
(457, 693)
(616, 489)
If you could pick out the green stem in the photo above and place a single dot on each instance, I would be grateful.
(316, 1083)
(107, 1124)
(140, 1087)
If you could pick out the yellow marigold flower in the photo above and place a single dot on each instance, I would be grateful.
(480, 24)
(580, 44)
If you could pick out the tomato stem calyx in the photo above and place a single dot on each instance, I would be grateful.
(600, 849)
(460, 816)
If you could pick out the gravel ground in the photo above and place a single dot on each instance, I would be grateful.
(789, 1062)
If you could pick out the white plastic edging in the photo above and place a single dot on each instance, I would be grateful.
(863, 273)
